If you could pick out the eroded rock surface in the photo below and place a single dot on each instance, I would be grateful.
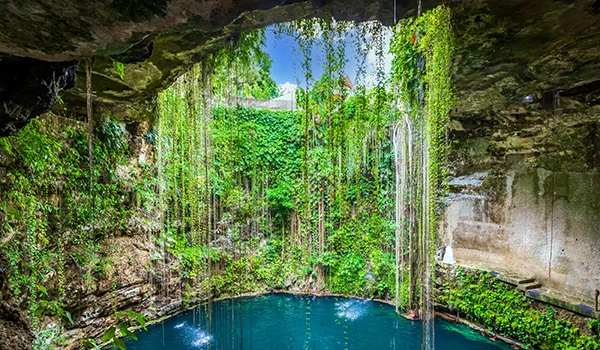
(525, 153)
(14, 328)
(28, 88)
(156, 40)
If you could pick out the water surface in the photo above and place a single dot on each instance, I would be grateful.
(283, 321)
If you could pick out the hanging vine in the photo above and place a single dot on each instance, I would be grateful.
(422, 49)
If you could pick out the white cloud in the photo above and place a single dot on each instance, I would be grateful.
(288, 88)
(372, 59)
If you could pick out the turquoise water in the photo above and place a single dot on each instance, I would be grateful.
(282, 321)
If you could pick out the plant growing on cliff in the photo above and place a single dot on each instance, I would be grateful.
(484, 299)
(115, 334)
(46, 230)
(120, 68)
(422, 82)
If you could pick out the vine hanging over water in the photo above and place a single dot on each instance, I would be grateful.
(422, 49)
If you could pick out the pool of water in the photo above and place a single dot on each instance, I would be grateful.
(282, 321)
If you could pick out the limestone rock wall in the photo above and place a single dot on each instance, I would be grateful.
(524, 149)
(14, 328)
(538, 223)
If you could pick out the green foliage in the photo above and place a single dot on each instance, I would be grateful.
(53, 218)
(243, 69)
(594, 326)
(283, 188)
(115, 334)
(482, 298)
(257, 146)
(120, 68)
(257, 180)
(266, 146)
(49, 339)
(421, 77)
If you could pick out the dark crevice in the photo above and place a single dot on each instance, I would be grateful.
(28, 88)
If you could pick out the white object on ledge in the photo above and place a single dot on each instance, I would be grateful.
(448, 256)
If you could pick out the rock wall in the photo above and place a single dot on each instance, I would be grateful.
(538, 223)
(14, 328)
(135, 282)
(524, 150)
(120, 274)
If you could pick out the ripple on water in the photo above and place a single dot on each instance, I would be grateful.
(351, 309)
(197, 338)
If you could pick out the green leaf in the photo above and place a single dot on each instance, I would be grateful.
(123, 328)
(68, 316)
(120, 68)
(42, 289)
(119, 343)
(92, 343)
(109, 334)
(141, 320)
(126, 332)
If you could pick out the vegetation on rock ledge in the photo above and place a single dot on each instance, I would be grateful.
(482, 298)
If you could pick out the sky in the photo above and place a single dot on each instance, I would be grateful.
(287, 59)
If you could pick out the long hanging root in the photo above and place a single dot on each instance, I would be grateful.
(89, 64)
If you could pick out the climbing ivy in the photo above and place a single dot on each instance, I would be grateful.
(243, 69)
(422, 48)
(48, 211)
(257, 183)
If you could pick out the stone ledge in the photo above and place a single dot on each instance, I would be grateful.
(581, 309)
(545, 295)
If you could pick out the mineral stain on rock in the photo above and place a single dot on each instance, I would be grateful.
(139, 10)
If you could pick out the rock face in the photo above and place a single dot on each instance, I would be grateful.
(28, 88)
(525, 150)
(14, 327)
(137, 283)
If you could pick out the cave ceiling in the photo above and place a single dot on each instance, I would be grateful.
(506, 50)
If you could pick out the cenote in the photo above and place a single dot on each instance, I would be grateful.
(442, 157)
(284, 321)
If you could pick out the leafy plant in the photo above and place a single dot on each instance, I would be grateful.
(115, 334)
(482, 298)
(120, 68)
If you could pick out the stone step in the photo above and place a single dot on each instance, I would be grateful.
(512, 278)
(525, 280)
(546, 297)
(529, 285)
